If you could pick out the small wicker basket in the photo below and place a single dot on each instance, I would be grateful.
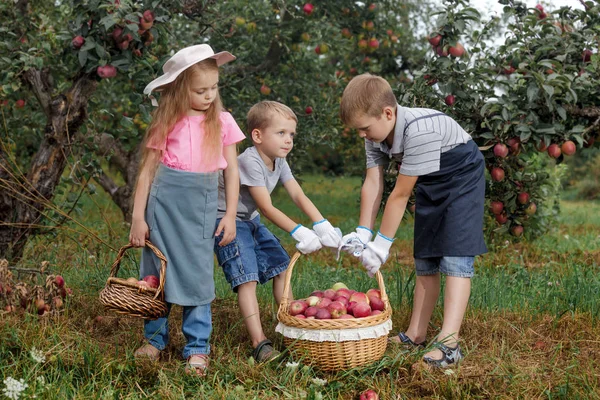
(335, 355)
(130, 299)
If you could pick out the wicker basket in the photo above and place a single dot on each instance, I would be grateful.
(130, 299)
(335, 355)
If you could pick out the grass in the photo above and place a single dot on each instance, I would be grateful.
(531, 330)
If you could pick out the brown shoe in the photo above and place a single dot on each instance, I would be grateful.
(147, 352)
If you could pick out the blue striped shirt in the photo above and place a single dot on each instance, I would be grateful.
(421, 135)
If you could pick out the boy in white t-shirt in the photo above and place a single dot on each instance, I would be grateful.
(256, 255)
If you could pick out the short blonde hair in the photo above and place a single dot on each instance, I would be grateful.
(260, 115)
(368, 95)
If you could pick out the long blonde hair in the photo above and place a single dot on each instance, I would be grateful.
(174, 104)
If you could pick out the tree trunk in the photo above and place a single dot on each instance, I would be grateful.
(23, 199)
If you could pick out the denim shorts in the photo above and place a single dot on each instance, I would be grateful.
(254, 255)
(461, 267)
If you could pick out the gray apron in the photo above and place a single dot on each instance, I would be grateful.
(181, 213)
(450, 206)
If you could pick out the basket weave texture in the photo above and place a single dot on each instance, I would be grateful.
(130, 299)
(339, 355)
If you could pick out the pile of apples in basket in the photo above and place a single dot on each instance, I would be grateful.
(339, 302)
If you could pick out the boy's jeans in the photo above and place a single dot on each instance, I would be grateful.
(196, 326)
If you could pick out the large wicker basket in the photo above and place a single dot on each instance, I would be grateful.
(335, 355)
(130, 299)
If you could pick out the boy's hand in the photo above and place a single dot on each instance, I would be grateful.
(355, 242)
(307, 240)
(227, 226)
(139, 232)
(327, 234)
(376, 253)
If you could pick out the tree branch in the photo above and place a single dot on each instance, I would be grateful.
(39, 82)
(587, 112)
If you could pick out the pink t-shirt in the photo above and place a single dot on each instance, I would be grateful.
(183, 148)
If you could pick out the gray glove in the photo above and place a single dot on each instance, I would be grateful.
(355, 242)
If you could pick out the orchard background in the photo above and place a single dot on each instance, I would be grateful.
(525, 85)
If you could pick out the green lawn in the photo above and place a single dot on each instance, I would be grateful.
(531, 330)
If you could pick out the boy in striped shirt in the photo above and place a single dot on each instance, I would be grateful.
(437, 156)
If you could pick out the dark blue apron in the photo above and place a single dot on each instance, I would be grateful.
(181, 214)
(450, 206)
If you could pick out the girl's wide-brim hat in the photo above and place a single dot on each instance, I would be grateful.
(184, 59)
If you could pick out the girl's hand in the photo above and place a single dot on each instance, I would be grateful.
(139, 232)
(227, 226)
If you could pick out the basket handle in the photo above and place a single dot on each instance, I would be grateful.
(288, 278)
(163, 265)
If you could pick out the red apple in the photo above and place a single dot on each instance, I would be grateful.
(362, 44)
(554, 150)
(123, 45)
(317, 293)
(497, 174)
(308, 110)
(298, 307)
(323, 313)
(59, 281)
(441, 51)
(77, 42)
(350, 307)
(376, 303)
(586, 56)
(457, 51)
(336, 309)
(345, 292)
(369, 395)
(589, 143)
(265, 90)
(542, 145)
(329, 294)
(568, 148)
(450, 99)
(501, 218)
(531, 209)
(300, 316)
(509, 70)
(497, 207)
(374, 43)
(106, 71)
(517, 230)
(20, 103)
(346, 316)
(145, 25)
(148, 16)
(523, 198)
(369, 25)
(359, 297)
(375, 312)
(143, 283)
(361, 310)
(311, 311)
(152, 281)
(116, 34)
(500, 150)
(324, 302)
(435, 39)
(514, 143)
(346, 33)
(342, 299)
(308, 9)
(372, 7)
(57, 302)
(374, 292)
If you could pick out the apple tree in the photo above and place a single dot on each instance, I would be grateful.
(528, 102)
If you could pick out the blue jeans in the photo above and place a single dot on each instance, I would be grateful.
(196, 326)
(255, 255)
(461, 267)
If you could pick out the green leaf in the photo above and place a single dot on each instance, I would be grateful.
(548, 89)
(82, 56)
(561, 111)
(532, 92)
(100, 51)
(108, 21)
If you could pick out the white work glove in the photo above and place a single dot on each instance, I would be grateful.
(308, 241)
(329, 236)
(376, 253)
(355, 242)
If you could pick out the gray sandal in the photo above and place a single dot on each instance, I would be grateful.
(265, 352)
(450, 356)
(407, 342)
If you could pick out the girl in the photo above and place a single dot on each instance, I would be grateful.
(175, 204)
